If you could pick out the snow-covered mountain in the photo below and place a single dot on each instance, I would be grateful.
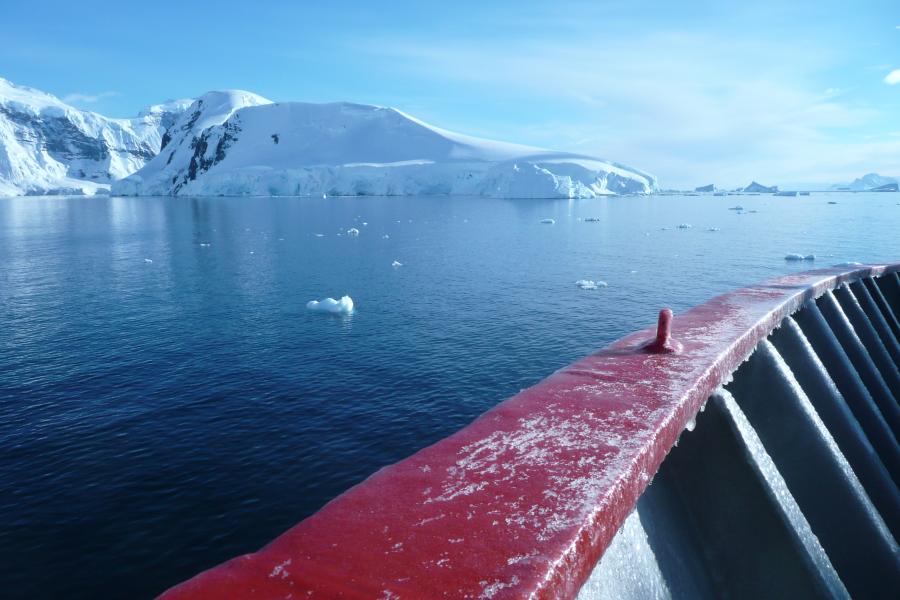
(237, 143)
(866, 182)
(758, 188)
(49, 147)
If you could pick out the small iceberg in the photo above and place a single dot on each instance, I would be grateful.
(849, 264)
(353, 232)
(592, 220)
(385, 237)
(204, 244)
(344, 306)
(396, 263)
(738, 207)
(685, 226)
(148, 260)
(588, 284)
(713, 229)
(798, 257)
(548, 221)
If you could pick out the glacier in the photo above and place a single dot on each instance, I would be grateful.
(49, 147)
(235, 143)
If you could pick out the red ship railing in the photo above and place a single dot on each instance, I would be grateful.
(523, 502)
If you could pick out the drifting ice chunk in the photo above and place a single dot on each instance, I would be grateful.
(738, 207)
(849, 264)
(385, 237)
(712, 229)
(396, 263)
(795, 257)
(344, 306)
(588, 284)
(353, 231)
(685, 226)
(148, 260)
(548, 221)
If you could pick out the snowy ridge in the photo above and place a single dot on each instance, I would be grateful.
(49, 147)
(237, 143)
(867, 182)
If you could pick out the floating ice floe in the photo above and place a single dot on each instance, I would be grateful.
(685, 226)
(548, 221)
(713, 229)
(797, 257)
(365, 224)
(849, 264)
(148, 260)
(738, 207)
(588, 284)
(204, 244)
(592, 220)
(832, 202)
(319, 234)
(385, 237)
(344, 306)
(353, 231)
(396, 263)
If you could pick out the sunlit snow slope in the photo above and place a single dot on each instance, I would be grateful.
(49, 147)
(237, 143)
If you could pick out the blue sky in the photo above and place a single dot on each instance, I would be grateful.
(695, 92)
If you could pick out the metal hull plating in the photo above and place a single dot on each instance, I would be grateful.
(784, 486)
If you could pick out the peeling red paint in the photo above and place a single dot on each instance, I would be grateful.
(523, 501)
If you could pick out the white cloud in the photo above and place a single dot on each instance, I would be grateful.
(87, 98)
(892, 78)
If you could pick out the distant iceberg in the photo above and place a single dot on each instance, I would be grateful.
(758, 188)
(344, 306)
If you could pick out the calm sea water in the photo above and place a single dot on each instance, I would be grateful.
(157, 418)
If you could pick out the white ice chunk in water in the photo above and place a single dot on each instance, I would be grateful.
(353, 231)
(344, 306)
(713, 229)
(849, 264)
(148, 260)
(793, 257)
(385, 237)
(685, 226)
(548, 221)
(396, 263)
(589, 284)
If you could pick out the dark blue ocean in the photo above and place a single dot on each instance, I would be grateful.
(167, 402)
